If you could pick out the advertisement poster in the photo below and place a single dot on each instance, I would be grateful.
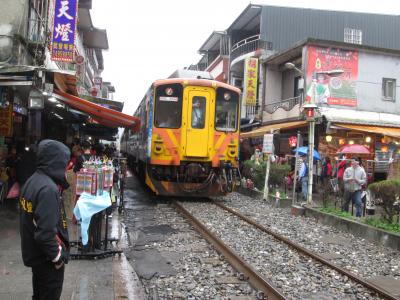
(64, 29)
(332, 89)
(250, 81)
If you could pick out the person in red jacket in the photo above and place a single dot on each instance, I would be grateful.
(326, 173)
(343, 164)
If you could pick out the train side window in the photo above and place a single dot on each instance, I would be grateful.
(198, 112)
(226, 110)
(168, 108)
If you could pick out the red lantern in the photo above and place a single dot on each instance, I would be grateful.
(293, 141)
(310, 113)
(94, 91)
(384, 148)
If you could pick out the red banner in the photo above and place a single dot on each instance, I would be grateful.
(333, 90)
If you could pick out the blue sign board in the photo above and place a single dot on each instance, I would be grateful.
(64, 30)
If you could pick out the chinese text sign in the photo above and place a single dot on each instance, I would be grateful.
(250, 80)
(64, 30)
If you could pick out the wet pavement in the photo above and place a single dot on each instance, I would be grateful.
(144, 230)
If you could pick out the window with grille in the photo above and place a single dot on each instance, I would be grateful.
(40, 12)
(353, 36)
(389, 89)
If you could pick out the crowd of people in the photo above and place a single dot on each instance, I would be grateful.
(347, 178)
(350, 176)
(20, 162)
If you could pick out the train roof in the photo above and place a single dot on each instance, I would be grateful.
(185, 73)
(194, 81)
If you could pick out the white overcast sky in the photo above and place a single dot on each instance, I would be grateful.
(149, 39)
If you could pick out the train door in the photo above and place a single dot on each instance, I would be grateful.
(198, 118)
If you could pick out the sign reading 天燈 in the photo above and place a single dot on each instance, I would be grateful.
(64, 29)
(250, 81)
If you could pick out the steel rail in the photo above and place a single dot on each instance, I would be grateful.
(311, 254)
(253, 277)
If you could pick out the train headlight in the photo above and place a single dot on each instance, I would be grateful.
(227, 96)
(231, 151)
(158, 146)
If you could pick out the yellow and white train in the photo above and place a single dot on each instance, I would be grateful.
(188, 141)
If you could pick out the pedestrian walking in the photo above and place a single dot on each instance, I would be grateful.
(43, 226)
(354, 178)
(341, 167)
(303, 177)
(326, 172)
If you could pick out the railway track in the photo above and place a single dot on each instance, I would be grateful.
(262, 271)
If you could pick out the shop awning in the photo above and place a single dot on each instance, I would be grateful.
(65, 81)
(387, 131)
(359, 117)
(103, 115)
(267, 129)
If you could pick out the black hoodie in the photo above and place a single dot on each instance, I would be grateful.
(43, 226)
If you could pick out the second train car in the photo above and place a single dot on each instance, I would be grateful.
(188, 141)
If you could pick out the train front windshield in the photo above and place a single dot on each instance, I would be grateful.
(226, 110)
(168, 108)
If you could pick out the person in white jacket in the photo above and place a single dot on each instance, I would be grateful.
(354, 178)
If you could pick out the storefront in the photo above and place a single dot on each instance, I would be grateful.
(377, 132)
(283, 132)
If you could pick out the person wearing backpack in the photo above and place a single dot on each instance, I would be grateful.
(303, 177)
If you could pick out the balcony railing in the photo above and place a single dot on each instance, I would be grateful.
(286, 104)
(248, 45)
(252, 111)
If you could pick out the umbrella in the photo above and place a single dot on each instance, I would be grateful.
(354, 149)
(304, 150)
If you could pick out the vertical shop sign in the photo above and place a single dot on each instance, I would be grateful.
(250, 80)
(64, 30)
(98, 82)
(340, 90)
(6, 121)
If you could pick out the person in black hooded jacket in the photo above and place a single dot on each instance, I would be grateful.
(43, 226)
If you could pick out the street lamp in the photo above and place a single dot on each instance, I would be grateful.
(310, 109)
(290, 66)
